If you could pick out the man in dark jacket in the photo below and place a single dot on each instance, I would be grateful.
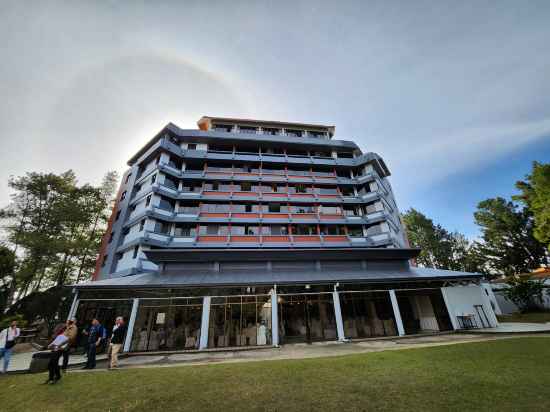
(117, 340)
(96, 335)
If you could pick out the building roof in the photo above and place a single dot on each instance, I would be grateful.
(247, 277)
(207, 120)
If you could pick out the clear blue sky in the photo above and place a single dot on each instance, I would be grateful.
(455, 95)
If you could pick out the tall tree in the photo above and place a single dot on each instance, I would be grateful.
(55, 227)
(535, 195)
(508, 245)
(441, 249)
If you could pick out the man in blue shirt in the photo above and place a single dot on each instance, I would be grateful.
(96, 335)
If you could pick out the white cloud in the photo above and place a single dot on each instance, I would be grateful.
(434, 87)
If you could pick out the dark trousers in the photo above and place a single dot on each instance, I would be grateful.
(65, 359)
(53, 366)
(90, 363)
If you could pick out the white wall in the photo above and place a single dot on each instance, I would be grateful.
(460, 300)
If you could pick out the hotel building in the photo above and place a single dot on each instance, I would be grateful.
(251, 233)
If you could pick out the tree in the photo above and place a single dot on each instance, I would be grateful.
(7, 268)
(525, 293)
(441, 249)
(535, 195)
(508, 245)
(54, 227)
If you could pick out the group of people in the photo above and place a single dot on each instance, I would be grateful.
(96, 338)
(64, 340)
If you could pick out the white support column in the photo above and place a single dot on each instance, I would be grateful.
(397, 313)
(338, 316)
(274, 317)
(203, 344)
(74, 306)
(131, 323)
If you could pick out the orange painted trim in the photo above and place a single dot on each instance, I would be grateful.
(209, 238)
(276, 239)
(253, 194)
(245, 215)
(304, 216)
(251, 239)
(335, 238)
(307, 238)
(331, 216)
(275, 215)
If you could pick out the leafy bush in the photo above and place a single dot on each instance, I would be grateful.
(525, 293)
(7, 320)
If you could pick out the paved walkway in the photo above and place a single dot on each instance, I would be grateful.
(518, 327)
(21, 361)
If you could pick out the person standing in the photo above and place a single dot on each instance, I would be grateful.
(58, 347)
(117, 339)
(96, 335)
(71, 332)
(7, 341)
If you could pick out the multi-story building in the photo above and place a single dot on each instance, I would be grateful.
(248, 232)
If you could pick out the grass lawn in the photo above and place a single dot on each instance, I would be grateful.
(511, 374)
(533, 317)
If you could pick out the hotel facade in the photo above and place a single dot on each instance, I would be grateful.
(253, 233)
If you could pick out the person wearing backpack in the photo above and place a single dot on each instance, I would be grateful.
(8, 339)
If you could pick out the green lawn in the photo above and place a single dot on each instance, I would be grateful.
(511, 374)
(533, 317)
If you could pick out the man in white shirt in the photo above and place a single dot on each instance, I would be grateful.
(7, 342)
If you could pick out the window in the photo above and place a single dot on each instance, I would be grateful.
(166, 204)
(157, 160)
(136, 250)
(170, 183)
(247, 130)
(117, 216)
(252, 230)
(331, 230)
(148, 201)
(123, 196)
(104, 261)
(141, 225)
(241, 208)
(246, 187)
(331, 210)
(153, 178)
(185, 230)
(111, 237)
(279, 230)
(302, 209)
(355, 231)
(274, 208)
(162, 228)
(191, 187)
(306, 230)
(189, 208)
(211, 186)
(191, 146)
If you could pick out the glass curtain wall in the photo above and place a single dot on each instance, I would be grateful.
(367, 314)
(106, 311)
(240, 321)
(167, 324)
(306, 318)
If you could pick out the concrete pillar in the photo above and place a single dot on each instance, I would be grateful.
(74, 306)
(274, 318)
(397, 313)
(131, 323)
(338, 316)
(203, 344)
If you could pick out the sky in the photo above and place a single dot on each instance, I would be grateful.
(455, 96)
